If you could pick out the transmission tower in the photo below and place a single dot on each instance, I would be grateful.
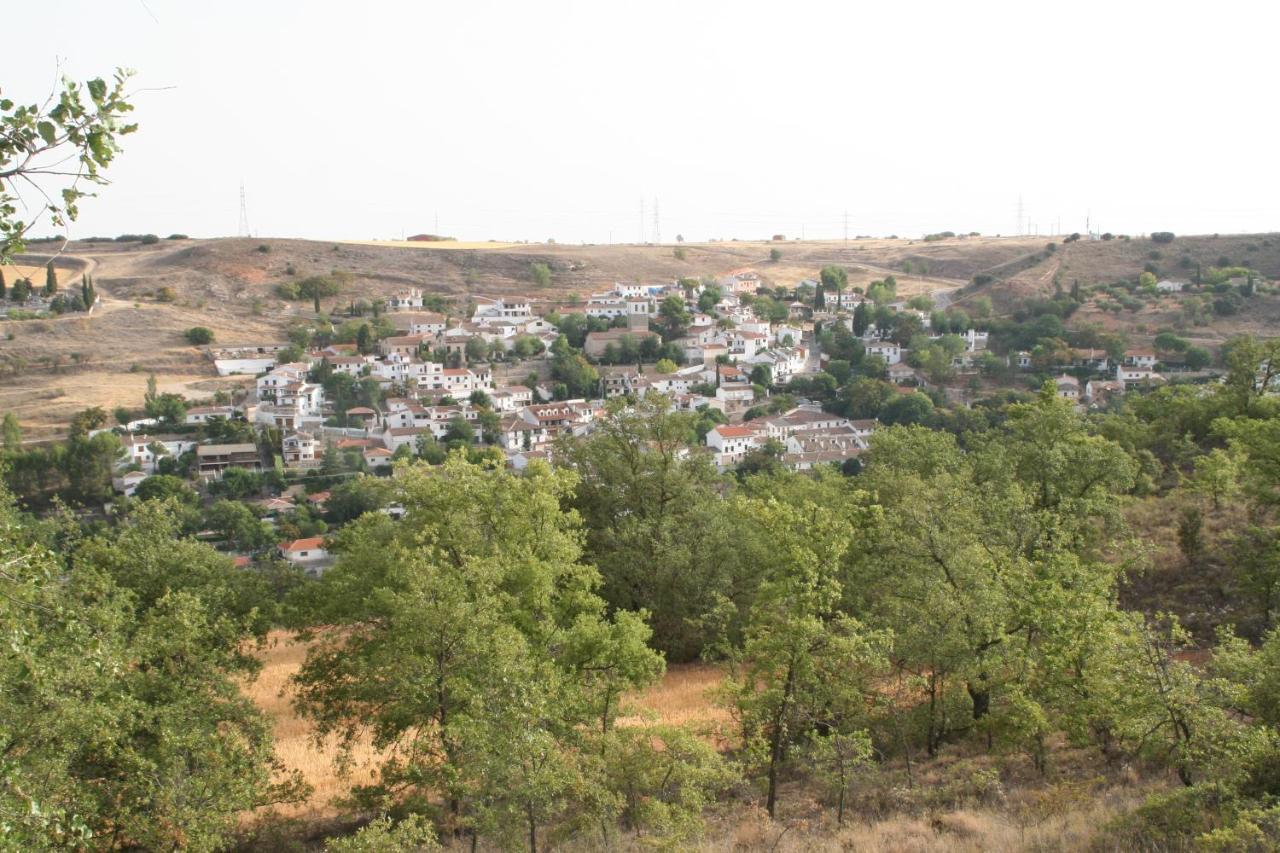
(657, 225)
(642, 240)
(243, 230)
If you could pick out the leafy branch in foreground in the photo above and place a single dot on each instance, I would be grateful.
(51, 150)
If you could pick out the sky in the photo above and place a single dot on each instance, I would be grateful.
(531, 120)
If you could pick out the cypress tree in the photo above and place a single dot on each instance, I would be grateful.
(2, 286)
(50, 280)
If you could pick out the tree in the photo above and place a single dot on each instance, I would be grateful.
(55, 148)
(12, 432)
(540, 273)
(665, 366)
(775, 255)
(237, 524)
(3, 288)
(21, 290)
(460, 431)
(913, 408)
(645, 504)
(477, 349)
(50, 280)
(834, 278)
(160, 487)
(861, 319)
(804, 668)
(1197, 358)
(673, 317)
(108, 673)
(198, 336)
(481, 594)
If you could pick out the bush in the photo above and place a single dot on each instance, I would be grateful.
(540, 273)
(178, 237)
(1171, 821)
(1197, 358)
(263, 247)
(775, 255)
(1162, 236)
(149, 239)
(198, 335)
(679, 253)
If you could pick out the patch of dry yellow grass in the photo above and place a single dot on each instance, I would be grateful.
(433, 244)
(17, 272)
(294, 746)
(680, 698)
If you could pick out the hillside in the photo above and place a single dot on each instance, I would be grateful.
(150, 294)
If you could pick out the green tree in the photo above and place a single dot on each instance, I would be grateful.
(540, 273)
(481, 594)
(67, 140)
(646, 505)
(121, 696)
(477, 350)
(198, 336)
(803, 667)
(50, 280)
(673, 317)
(12, 432)
(835, 279)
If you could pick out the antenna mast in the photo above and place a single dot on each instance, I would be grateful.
(243, 230)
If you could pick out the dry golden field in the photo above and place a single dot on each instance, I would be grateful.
(435, 244)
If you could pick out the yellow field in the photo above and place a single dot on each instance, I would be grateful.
(16, 272)
(680, 698)
(433, 244)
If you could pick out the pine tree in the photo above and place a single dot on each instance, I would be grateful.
(50, 280)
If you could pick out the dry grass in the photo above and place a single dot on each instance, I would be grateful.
(294, 745)
(433, 244)
(680, 698)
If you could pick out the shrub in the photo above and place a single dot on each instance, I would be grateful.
(149, 239)
(775, 255)
(179, 237)
(263, 247)
(198, 335)
(541, 273)
(679, 253)
(1162, 236)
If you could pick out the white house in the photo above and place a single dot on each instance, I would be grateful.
(888, 350)
(202, 414)
(731, 443)
(1144, 359)
(308, 554)
(404, 300)
(1168, 286)
(300, 450)
(1068, 387)
(128, 482)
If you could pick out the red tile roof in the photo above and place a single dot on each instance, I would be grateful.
(309, 544)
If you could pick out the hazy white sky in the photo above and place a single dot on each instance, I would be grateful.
(536, 120)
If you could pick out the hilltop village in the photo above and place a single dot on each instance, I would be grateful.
(796, 378)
